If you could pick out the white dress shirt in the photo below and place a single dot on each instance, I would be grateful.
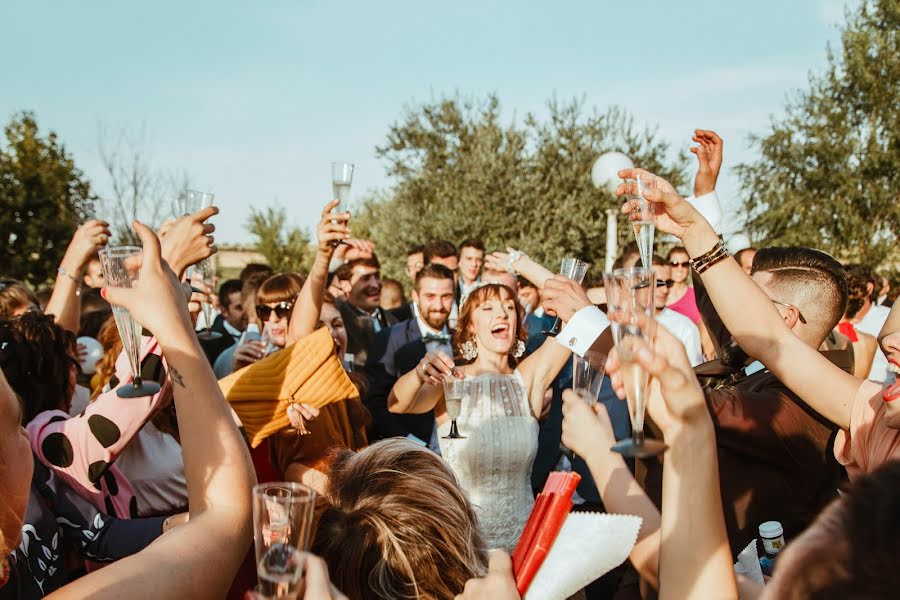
(583, 329)
(872, 324)
(708, 205)
(685, 331)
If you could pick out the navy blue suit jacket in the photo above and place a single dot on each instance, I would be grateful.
(395, 352)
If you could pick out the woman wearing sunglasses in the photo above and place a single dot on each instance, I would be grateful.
(274, 306)
(682, 298)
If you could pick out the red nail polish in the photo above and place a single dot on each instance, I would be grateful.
(103, 293)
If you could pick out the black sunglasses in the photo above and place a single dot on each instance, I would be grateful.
(283, 310)
(665, 283)
(683, 265)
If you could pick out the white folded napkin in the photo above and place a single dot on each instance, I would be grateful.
(589, 545)
(748, 564)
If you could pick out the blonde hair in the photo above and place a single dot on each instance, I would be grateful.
(399, 525)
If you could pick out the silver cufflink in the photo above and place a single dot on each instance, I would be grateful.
(572, 342)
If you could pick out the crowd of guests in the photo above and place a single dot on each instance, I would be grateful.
(773, 385)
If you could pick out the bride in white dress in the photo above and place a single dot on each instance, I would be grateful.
(499, 412)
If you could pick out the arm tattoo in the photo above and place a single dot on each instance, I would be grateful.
(176, 376)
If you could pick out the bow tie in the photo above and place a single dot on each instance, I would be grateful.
(441, 338)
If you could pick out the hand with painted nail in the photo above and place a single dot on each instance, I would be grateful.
(675, 398)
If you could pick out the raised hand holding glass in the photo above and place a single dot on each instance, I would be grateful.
(630, 300)
(121, 268)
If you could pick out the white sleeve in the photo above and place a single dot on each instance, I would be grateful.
(583, 329)
(692, 345)
(708, 205)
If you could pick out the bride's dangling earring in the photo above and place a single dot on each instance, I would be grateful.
(469, 350)
(520, 350)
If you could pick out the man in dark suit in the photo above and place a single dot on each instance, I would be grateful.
(360, 280)
(399, 350)
(229, 322)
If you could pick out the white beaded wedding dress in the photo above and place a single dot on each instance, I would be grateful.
(493, 462)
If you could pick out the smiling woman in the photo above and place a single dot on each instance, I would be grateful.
(502, 401)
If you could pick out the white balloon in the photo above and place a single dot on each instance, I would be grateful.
(94, 353)
(605, 172)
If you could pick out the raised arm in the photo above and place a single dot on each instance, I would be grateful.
(331, 230)
(422, 389)
(562, 297)
(198, 559)
(753, 321)
(694, 557)
(65, 301)
(516, 262)
(589, 434)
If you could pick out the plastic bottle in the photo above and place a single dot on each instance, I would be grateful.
(772, 535)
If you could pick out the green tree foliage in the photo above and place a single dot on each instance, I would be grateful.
(286, 249)
(460, 172)
(828, 175)
(43, 198)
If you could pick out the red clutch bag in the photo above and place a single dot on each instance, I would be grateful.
(546, 519)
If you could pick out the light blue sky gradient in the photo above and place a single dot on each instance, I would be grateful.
(255, 99)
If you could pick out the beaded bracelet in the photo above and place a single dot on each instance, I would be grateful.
(716, 254)
(62, 271)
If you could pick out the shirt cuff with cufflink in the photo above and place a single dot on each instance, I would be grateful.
(583, 329)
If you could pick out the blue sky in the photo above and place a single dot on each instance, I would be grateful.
(255, 99)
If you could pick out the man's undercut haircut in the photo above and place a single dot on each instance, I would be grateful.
(434, 271)
(415, 250)
(438, 249)
(472, 243)
(811, 279)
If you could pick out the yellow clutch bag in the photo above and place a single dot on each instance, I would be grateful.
(308, 371)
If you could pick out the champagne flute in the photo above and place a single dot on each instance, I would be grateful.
(121, 268)
(454, 390)
(572, 268)
(282, 524)
(644, 227)
(587, 375)
(207, 273)
(629, 297)
(586, 380)
(193, 201)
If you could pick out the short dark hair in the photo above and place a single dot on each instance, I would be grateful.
(438, 249)
(472, 243)
(811, 276)
(659, 260)
(227, 289)
(864, 272)
(254, 268)
(433, 271)
(526, 283)
(37, 356)
(415, 250)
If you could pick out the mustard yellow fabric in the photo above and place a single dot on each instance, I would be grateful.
(307, 371)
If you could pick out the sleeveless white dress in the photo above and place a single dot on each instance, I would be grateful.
(493, 463)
